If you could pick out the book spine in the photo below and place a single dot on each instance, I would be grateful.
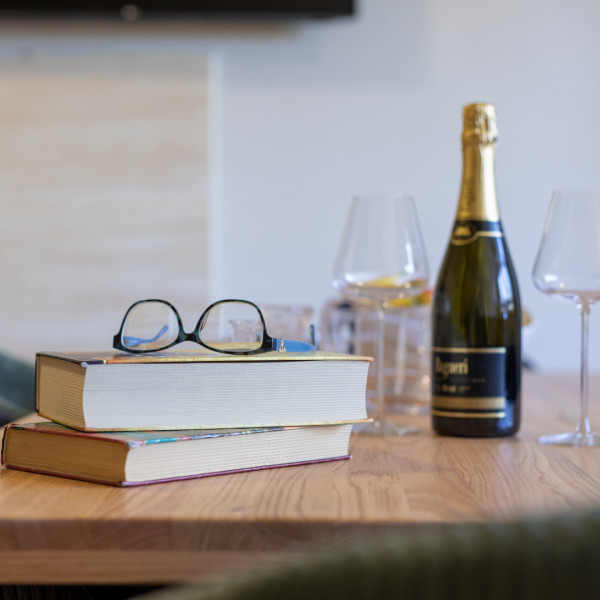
(5, 433)
(37, 379)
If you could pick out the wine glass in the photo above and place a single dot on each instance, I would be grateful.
(568, 267)
(382, 258)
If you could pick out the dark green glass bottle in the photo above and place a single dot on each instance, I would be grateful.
(476, 313)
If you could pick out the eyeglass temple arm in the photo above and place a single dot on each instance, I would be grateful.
(291, 345)
(294, 346)
(131, 341)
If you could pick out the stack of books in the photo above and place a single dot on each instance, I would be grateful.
(126, 420)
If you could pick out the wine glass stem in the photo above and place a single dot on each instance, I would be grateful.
(379, 358)
(583, 426)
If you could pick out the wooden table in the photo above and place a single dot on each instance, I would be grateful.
(55, 530)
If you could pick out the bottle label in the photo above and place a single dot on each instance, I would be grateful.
(467, 232)
(469, 383)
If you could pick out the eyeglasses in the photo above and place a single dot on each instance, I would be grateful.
(229, 326)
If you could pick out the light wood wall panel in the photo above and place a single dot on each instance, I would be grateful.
(104, 162)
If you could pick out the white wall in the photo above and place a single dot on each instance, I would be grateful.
(307, 114)
(104, 193)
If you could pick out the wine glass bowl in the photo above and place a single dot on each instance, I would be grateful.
(382, 258)
(382, 287)
(567, 267)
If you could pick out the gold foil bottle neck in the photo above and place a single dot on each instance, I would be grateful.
(479, 124)
(477, 201)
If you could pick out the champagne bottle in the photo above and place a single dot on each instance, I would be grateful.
(476, 313)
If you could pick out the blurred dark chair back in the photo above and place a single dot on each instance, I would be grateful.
(17, 388)
(541, 560)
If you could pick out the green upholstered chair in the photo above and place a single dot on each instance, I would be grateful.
(534, 560)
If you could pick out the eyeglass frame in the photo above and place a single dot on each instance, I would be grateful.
(268, 343)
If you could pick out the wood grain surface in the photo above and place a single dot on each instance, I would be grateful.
(55, 530)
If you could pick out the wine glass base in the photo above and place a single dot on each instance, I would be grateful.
(573, 438)
(383, 428)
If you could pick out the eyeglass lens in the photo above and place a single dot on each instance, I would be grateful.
(150, 326)
(233, 326)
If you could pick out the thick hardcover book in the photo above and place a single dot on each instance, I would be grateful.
(192, 390)
(142, 457)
